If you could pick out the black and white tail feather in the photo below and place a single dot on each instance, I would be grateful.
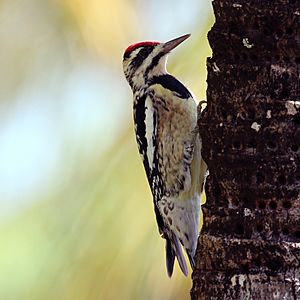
(165, 117)
(173, 248)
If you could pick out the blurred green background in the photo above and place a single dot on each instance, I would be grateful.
(76, 217)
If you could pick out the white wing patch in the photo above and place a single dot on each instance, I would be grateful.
(149, 130)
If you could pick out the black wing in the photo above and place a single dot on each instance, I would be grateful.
(142, 110)
(171, 83)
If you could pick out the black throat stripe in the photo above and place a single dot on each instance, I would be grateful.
(171, 83)
(154, 62)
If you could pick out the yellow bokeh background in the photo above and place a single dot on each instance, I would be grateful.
(77, 219)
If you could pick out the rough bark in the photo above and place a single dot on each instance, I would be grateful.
(249, 246)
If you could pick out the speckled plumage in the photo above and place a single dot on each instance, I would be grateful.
(165, 116)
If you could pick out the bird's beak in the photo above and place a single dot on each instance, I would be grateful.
(170, 45)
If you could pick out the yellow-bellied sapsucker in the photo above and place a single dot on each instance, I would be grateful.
(165, 119)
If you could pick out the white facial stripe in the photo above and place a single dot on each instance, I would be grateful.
(134, 53)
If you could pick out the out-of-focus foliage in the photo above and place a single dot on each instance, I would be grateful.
(77, 219)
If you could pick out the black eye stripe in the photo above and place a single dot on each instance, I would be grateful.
(141, 56)
(136, 62)
(145, 52)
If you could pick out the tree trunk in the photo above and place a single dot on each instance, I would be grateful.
(249, 247)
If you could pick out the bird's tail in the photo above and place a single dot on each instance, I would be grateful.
(191, 259)
(173, 248)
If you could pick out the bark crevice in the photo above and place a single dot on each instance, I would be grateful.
(249, 247)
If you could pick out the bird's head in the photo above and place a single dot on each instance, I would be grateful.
(143, 60)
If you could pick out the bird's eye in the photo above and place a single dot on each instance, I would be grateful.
(143, 52)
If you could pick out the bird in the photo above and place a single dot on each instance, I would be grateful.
(165, 122)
